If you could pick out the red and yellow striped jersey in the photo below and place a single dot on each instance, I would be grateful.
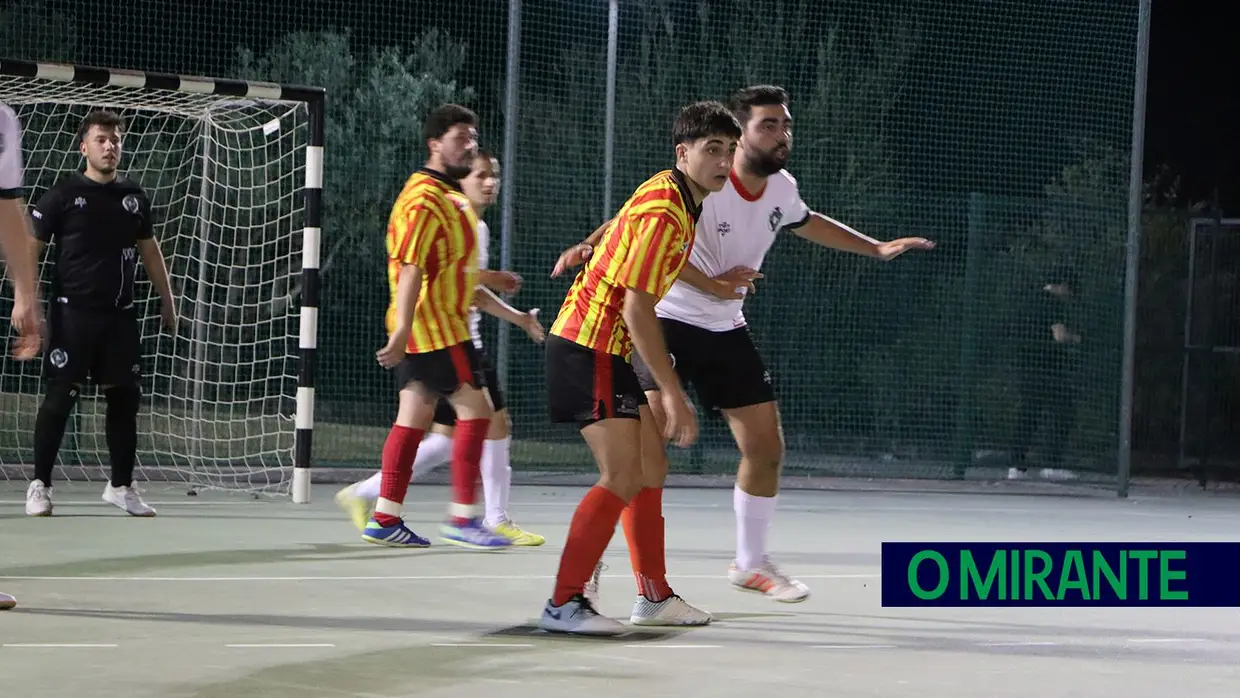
(644, 248)
(433, 227)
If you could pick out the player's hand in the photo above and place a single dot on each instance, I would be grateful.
(394, 352)
(532, 327)
(168, 312)
(728, 284)
(681, 428)
(501, 281)
(574, 256)
(28, 321)
(888, 251)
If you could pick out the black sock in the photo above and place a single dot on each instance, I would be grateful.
(121, 431)
(49, 431)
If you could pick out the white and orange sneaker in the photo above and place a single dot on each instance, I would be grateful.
(769, 580)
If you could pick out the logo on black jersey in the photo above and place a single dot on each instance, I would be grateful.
(58, 358)
(130, 202)
(776, 216)
(724, 228)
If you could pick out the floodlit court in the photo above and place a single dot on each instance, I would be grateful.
(224, 595)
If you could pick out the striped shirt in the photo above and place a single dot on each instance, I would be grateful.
(433, 227)
(644, 248)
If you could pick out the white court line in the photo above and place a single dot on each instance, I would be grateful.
(1164, 639)
(1018, 644)
(660, 646)
(411, 578)
(852, 646)
(479, 644)
(56, 645)
(280, 645)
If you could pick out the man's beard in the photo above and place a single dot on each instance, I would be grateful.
(766, 164)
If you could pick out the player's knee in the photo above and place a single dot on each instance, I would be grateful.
(59, 399)
(501, 426)
(766, 455)
(123, 400)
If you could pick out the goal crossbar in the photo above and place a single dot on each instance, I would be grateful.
(231, 90)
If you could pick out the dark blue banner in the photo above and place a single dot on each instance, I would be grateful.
(1061, 574)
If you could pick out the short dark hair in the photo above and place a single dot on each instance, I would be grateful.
(443, 118)
(702, 119)
(745, 99)
(102, 118)
(485, 153)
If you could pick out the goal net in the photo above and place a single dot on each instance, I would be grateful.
(225, 166)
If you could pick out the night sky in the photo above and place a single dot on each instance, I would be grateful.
(1193, 109)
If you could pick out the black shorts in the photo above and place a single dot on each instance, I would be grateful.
(104, 346)
(442, 372)
(445, 415)
(587, 386)
(724, 368)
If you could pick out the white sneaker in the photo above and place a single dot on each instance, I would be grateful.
(578, 617)
(127, 498)
(1057, 474)
(769, 580)
(38, 499)
(7, 602)
(591, 591)
(1017, 474)
(672, 611)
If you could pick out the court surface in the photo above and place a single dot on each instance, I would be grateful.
(225, 596)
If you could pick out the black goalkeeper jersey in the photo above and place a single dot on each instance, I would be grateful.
(96, 228)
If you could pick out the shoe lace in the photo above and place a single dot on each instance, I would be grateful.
(770, 569)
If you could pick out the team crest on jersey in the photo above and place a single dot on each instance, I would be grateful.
(59, 358)
(80, 202)
(724, 228)
(776, 216)
(130, 202)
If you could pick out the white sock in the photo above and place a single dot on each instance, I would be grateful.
(753, 521)
(434, 451)
(496, 478)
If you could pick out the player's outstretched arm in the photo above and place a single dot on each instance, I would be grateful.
(157, 272)
(578, 254)
(832, 234)
(486, 301)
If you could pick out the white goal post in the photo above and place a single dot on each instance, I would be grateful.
(234, 170)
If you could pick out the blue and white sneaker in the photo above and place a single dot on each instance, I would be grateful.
(398, 536)
(473, 534)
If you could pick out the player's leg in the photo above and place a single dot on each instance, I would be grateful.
(66, 366)
(740, 387)
(464, 526)
(599, 392)
(497, 466)
(1030, 392)
(1061, 403)
(118, 370)
(416, 407)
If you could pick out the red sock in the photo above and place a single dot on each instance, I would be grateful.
(593, 525)
(643, 529)
(467, 442)
(399, 452)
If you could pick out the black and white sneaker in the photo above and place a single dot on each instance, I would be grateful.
(578, 617)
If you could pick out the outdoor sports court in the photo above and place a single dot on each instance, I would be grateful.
(224, 595)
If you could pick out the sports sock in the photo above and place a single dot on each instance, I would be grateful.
(49, 431)
(753, 521)
(496, 478)
(593, 525)
(434, 451)
(644, 529)
(120, 427)
(467, 444)
(399, 451)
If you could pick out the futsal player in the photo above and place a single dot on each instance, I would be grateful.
(609, 311)
(482, 189)
(14, 239)
(101, 222)
(708, 336)
(433, 256)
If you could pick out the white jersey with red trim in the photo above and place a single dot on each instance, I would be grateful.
(736, 229)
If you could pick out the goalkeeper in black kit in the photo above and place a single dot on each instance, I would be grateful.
(100, 224)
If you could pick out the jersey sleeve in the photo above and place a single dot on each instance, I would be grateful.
(795, 211)
(47, 214)
(651, 254)
(10, 155)
(147, 230)
(414, 235)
